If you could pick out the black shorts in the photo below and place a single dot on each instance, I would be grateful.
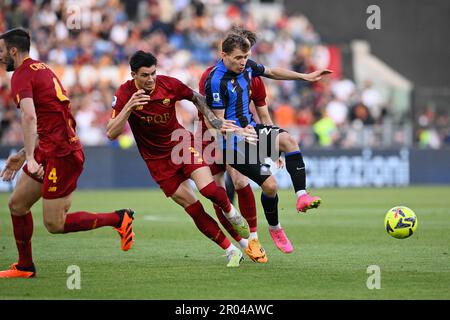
(249, 159)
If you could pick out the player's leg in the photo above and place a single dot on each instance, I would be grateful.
(296, 168)
(247, 206)
(185, 197)
(269, 201)
(60, 181)
(26, 193)
(246, 199)
(218, 196)
(219, 179)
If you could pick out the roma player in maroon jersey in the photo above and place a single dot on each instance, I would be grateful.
(53, 164)
(246, 198)
(147, 103)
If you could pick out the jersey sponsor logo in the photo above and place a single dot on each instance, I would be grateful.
(166, 101)
(216, 97)
(52, 189)
(139, 107)
(158, 119)
(114, 102)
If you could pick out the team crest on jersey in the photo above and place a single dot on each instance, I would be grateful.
(216, 97)
(114, 101)
(166, 101)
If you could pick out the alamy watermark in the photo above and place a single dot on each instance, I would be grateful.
(374, 280)
(193, 149)
(373, 22)
(74, 280)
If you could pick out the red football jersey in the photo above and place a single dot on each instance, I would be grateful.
(153, 123)
(257, 95)
(55, 123)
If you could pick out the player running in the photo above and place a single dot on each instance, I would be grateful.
(53, 164)
(147, 103)
(228, 91)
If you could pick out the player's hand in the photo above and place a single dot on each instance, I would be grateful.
(250, 134)
(280, 163)
(35, 169)
(12, 166)
(316, 75)
(228, 126)
(138, 98)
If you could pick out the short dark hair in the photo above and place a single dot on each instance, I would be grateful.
(247, 34)
(235, 41)
(142, 59)
(19, 38)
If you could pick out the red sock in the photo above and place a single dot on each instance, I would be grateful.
(226, 224)
(207, 225)
(217, 195)
(23, 231)
(81, 221)
(247, 206)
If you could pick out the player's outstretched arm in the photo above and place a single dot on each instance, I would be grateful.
(285, 74)
(117, 124)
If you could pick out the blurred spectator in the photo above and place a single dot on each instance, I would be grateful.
(88, 44)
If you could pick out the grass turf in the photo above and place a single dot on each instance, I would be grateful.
(171, 259)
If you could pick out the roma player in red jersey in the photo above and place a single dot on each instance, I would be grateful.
(246, 198)
(53, 165)
(147, 103)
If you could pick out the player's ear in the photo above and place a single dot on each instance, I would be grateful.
(12, 51)
(133, 74)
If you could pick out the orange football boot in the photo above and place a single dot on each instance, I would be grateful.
(13, 272)
(256, 252)
(126, 230)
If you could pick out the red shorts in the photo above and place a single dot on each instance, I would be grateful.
(209, 155)
(61, 174)
(170, 175)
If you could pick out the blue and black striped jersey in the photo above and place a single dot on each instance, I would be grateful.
(230, 91)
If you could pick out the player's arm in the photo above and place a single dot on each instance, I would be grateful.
(285, 74)
(249, 132)
(117, 124)
(29, 127)
(213, 122)
(264, 115)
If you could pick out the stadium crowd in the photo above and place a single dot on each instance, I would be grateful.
(88, 43)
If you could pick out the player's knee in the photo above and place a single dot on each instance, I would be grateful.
(270, 187)
(288, 143)
(53, 226)
(240, 183)
(17, 207)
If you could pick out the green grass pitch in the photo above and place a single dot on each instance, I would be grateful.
(333, 248)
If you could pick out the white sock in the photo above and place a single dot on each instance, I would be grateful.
(278, 226)
(253, 235)
(231, 248)
(243, 243)
(230, 214)
(300, 193)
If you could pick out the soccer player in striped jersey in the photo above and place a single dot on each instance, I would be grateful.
(228, 91)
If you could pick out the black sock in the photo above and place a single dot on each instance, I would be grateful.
(296, 168)
(270, 206)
